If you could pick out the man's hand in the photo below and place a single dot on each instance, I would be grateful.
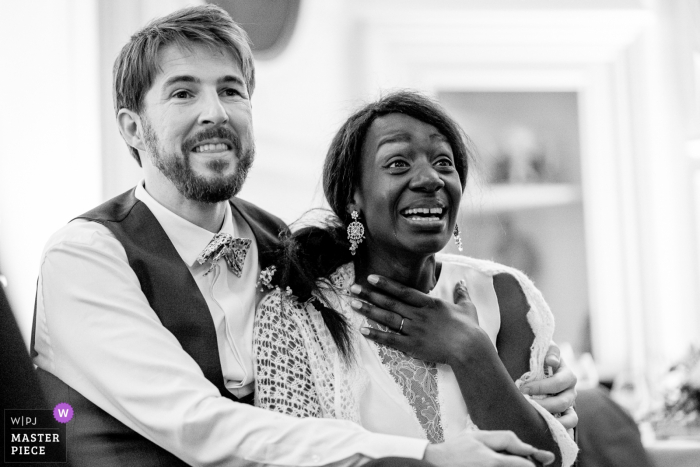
(486, 448)
(560, 389)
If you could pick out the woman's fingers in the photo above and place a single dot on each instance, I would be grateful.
(387, 318)
(461, 298)
(399, 291)
(391, 339)
(381, 304)
(461, 293)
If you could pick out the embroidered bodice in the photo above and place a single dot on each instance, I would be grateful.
(416, 378)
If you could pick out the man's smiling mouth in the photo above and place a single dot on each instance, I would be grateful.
(212, 147)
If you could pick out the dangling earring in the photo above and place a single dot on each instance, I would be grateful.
(356, 232)
(458, 239)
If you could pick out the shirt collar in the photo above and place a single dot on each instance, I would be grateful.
(188, 239)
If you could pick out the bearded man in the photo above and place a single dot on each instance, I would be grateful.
(145, 304)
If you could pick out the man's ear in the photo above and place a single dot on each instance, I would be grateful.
(131, 128)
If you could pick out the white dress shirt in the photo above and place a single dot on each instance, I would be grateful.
(221, 289)
(96, 331)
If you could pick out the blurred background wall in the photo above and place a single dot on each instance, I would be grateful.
(585, 113)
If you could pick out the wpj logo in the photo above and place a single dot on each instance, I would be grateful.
(36, 435)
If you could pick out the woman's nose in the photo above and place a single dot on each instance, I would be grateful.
(427, 179)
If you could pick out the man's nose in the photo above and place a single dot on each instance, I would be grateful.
(213, 111)
(427, 178)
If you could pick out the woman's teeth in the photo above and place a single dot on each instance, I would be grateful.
(423, 214)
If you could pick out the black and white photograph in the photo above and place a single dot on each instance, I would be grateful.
(344, 233)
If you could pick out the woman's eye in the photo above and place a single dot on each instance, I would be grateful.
(181, 94)
(444, 162)
(397, 164)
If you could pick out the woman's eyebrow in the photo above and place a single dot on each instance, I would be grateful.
(394, 138)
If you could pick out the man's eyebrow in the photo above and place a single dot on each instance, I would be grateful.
(192, 79)
(231, 79)
(228, 79)
(181, 79)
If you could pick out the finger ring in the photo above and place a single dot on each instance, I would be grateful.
(401, 327)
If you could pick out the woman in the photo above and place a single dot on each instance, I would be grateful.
(394, 177)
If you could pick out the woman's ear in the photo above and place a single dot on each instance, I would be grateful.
(355, 204)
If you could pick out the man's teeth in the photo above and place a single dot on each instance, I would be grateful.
(211, 147)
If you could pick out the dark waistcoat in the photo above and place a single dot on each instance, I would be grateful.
(97, 438)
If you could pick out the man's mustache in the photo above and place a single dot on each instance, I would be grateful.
(220, 133)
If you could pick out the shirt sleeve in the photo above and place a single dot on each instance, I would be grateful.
(97, 332)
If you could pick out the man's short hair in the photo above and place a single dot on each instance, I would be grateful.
(137, 64)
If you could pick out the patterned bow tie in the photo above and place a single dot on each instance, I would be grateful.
(233, 250)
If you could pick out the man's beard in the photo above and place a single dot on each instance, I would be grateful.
(192, 185)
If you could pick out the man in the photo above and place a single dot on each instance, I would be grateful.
(145, 304)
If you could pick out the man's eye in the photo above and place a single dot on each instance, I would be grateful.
(181, 94)
(230, 92)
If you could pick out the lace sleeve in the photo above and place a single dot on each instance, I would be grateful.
(283, 378)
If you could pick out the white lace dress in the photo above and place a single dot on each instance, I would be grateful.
(300, 372)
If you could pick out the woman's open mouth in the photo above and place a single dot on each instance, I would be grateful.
(423, 214)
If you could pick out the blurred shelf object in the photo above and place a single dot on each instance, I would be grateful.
(503, 198)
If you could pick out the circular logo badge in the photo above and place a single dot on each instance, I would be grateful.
(63, 413)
